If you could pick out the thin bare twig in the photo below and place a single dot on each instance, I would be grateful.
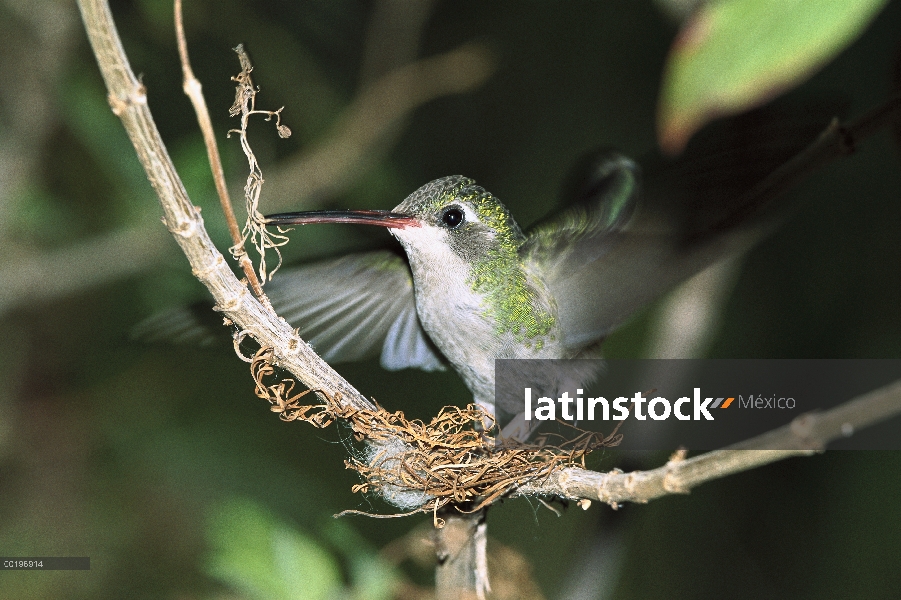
(128, 99)
(56, 274)
(365, 127)
(836, 141)
(194, 90)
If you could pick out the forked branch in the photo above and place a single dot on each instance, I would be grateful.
(127, 97)
(194, 91)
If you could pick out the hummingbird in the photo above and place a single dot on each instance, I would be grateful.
(474, 287)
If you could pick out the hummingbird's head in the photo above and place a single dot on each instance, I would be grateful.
(463, 248)
(450, 214)
(458, 216)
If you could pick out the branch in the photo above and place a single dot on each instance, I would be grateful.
(804, 436)
(63, 272)
(367, 124)
(836, 141)
(128, 99)
(42, 275)
(392, 36)
(194, 90)
(461, 549)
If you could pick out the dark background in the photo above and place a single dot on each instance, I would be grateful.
(118, 450)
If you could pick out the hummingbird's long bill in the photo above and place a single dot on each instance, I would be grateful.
(382, 218)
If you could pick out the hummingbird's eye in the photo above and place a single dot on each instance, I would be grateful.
(452, 217)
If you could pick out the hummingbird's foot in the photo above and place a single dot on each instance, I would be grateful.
(516, 431)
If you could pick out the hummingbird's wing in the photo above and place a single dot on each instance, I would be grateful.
(577, 254)
(606, 257)
(599, 281)
(348, 309)
(354, 307)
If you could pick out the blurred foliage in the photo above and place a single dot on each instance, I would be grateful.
(123, 452)
(732, 55)
(263, 558)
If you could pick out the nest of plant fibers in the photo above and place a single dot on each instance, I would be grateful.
(422, 467)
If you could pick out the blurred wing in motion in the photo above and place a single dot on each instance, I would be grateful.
(348, 309)
(607, 256)
(573, 251)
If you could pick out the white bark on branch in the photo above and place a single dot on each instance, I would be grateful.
(128, 99)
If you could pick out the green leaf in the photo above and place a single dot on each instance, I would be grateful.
(263, 558)
(371, 576)
(734, 54)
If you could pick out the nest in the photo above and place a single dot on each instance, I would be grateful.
(422, 467)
